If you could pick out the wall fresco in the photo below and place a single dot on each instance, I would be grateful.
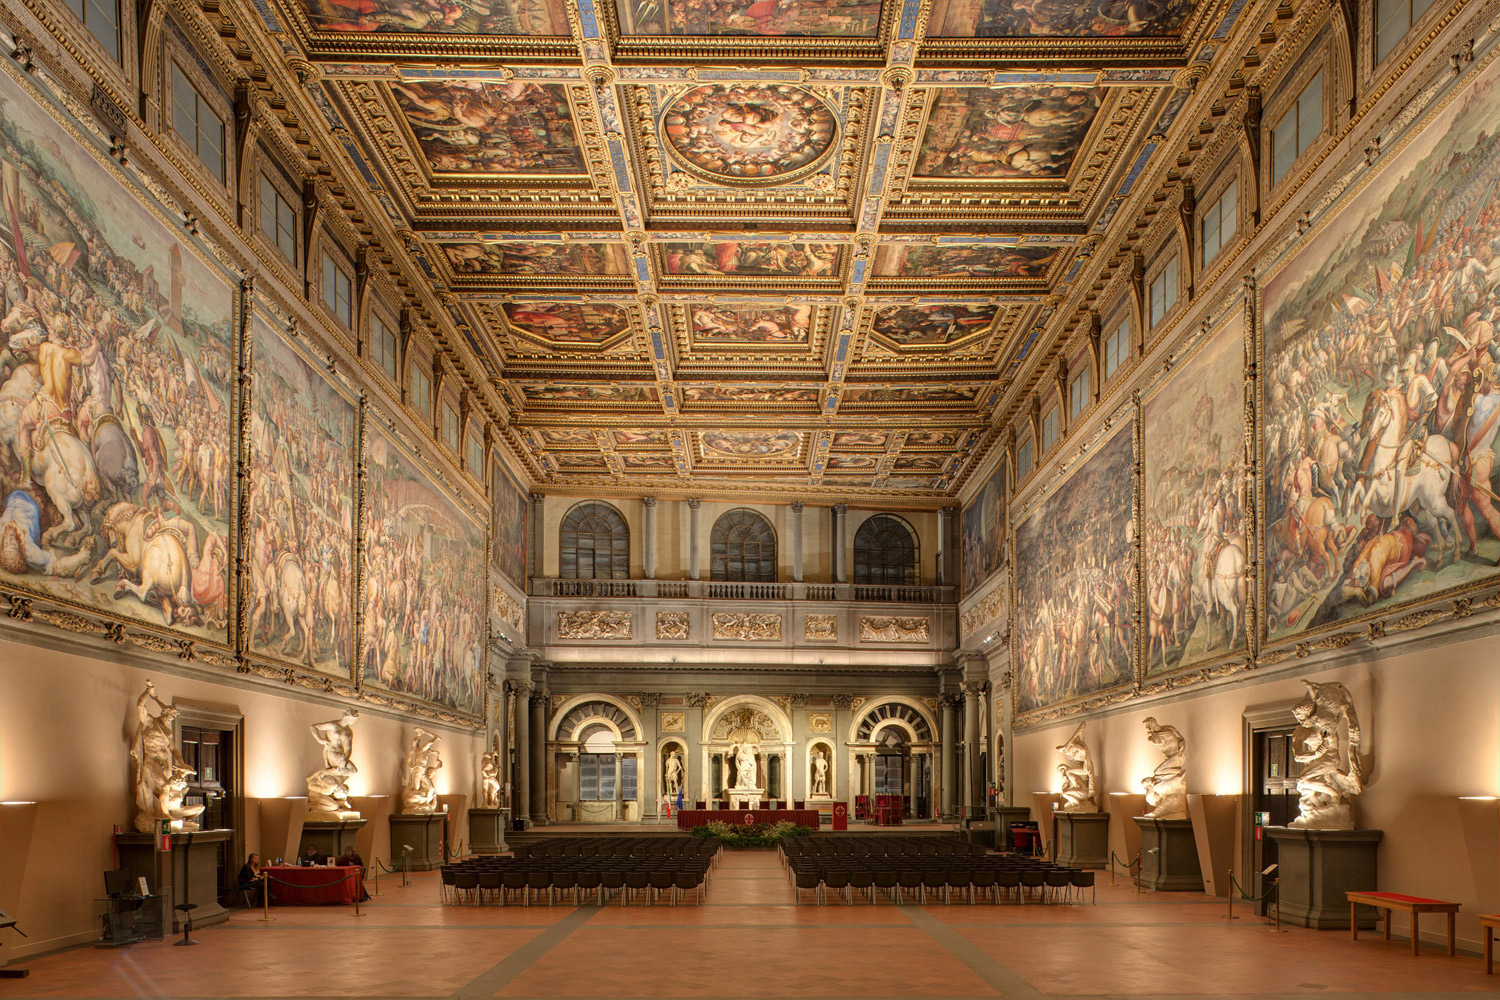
(984, 531)
(512, 523)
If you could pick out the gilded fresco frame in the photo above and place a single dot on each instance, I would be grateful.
(1415, 612)
(332, 373)
(1114, 423)
(155, 201)
(1234, 307)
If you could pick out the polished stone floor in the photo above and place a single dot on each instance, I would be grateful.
(749, 940)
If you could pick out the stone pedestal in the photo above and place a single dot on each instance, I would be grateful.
(1169, 855)
(1082, 839)
(746, 798)
(1004, 817)
(423, 832)
(1317, 868)
(330, 837)
(188, 873)
(487, 830)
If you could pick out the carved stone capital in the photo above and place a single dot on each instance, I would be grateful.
(537, 498)
(694, 503)
(648, 501)
(650, 699)
(843, 702)
(799, 700)
(521, 689)
(696, 699)
(798, 506)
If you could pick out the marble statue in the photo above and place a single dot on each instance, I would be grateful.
(419, 795)
(674, 775)
(820, 774)
(489, 776)
(1166, 788)
(328, 786)
(1077, 774)
(1331, 772)
(744, 766)
(160, 774)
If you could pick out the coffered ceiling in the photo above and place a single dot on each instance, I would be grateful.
(783, 245)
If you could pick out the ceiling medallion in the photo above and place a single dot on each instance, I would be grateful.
(749, 134)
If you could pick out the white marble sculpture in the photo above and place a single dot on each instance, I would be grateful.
(744, 765)
(820, 774)
(489, 776)
(1077, 774)
(1331, 772)
(160, 774)
(419, 794)
(328, 786)
(1166, 788)
(673, 775)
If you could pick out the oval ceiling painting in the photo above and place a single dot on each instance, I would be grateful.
(749, 134)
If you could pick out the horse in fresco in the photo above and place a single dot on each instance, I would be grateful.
(65, 468)
(1224, 586)
(159, 553)
(1394, 476)
(294, 602)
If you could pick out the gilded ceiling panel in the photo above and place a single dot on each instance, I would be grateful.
(1014, 133)
(1056, 18)
(771, 18)
(771, 264)
(438, 17)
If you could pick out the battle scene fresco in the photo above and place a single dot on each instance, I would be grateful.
(984, 531)
(1075, 592)
(1197, 561)
(749, 133)
(300, 510)
(740, 325)
(736, 260)
(568, 322)
(116, 454)
(1068, 18)
(813, 18)
(509, 534)
(425, 584)
(446, 17)
(934, 325)
(1382, 396)
(1007, 133)
(900, 260)
(475, 127)
(543, 259)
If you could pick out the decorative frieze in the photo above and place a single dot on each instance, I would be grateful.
(595, 625)
(745, 627)
(883, 629)
(990, 607)
(672, 625)
(821, 628)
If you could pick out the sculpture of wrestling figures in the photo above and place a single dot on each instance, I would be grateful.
(1077, 774)
(1166, 788)
(1331, 772)
(160, 774)
(328, 786)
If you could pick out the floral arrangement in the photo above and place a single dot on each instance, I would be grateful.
(750, 834)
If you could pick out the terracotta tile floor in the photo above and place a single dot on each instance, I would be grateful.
(749, 940)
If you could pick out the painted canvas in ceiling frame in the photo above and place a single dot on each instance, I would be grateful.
(700, 260)
(1029, 133)
(953, 261)
(1075, 581)
(1057, 18)
(1365, 530)
(535, 259)
(438, 17)
(425, 583)
(299, 517)
(762, 18)
(474, 128)
(568, 322)
(751, 326)
(935, 325)
(158, 403)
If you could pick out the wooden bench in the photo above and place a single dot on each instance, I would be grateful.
(1489, 921)
(1389, 902)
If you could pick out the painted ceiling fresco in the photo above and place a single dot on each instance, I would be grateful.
(795, 243)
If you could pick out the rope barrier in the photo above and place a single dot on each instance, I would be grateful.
(1275, 889)
(1235, 883)
(1115, 859)
(299, 885)
(265, 891)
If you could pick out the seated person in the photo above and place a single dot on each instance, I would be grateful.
(351, 859)
(313, 856)
(251, 879)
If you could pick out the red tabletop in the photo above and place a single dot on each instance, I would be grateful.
(292, 886)
(687, 819)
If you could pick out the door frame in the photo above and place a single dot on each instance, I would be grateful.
(228, 719)
(1257, 719)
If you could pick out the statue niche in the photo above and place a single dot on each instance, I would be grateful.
(743, 730)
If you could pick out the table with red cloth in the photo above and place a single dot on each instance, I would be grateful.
(312, 886)
(687, 819)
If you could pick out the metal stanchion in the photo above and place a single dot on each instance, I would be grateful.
(357, 873)
(406, 850)
(265, 900)
(376, 869)
(1276, 888)
(1230, 895)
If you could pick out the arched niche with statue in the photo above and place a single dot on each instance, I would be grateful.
(747, 744)
(672, 774)
(820, 770)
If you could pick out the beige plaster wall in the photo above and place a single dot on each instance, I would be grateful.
(1429, 719)
(66, 722)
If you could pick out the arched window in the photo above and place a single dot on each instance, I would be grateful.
(595, 544)
(744, 548)
(885, 552)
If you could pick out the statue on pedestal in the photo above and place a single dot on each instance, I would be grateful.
(1166, 789)
(161, 774)
(820, 774)
(489, 777)
(328, 787)
(1331, 772)
(1077, 774)
(744, 765)
(673, 775)
(419, 794)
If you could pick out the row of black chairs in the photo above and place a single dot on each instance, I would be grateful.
(617, 847)
(594, 882)
(879, 846)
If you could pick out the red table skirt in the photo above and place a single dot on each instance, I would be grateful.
(310, 886)
(689, 818)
